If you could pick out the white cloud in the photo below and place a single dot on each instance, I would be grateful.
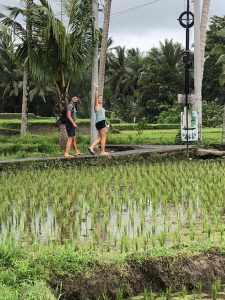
(145, 27)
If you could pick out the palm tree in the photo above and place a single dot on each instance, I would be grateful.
(11, 75)
(123, 73)
(11, 81)
(104, 45)
(135, 63)
(66, 49)
(63, 50)
(203, 31)
(26, 72)
(172, 52)
(118, 71)
(161, 79)
(200, 56)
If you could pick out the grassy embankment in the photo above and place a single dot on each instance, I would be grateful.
(32, 273)
(47, 145)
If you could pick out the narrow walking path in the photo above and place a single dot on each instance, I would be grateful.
(114, 150)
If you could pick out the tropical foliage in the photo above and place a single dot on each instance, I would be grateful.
(55, 53)
(137, 84)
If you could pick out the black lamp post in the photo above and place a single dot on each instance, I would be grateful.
(186, 20)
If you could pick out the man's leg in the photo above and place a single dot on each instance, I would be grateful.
(68, 146)
(74, 145)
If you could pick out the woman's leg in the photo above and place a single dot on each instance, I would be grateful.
(103, 132)
(95, 142)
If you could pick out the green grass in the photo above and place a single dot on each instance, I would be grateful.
(15, 123)
(28, 145)
(42, 146)
(210, 135)
(34, 146)
(25, 272)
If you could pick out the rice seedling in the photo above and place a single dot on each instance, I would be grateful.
(125, 208)
(119, 294)
(198, 288)
(215, 289)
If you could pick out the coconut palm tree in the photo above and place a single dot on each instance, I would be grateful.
(63, 50)
(200, 55)
(203, 31)
(104, 45)
(11, 81)
(11, 75)
(118, 73)
(123, 73)
(26, 72)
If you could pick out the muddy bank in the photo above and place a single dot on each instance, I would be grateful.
(134, 276)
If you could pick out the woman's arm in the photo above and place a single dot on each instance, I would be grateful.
(96, 98)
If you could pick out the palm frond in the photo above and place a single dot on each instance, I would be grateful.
(221, 60)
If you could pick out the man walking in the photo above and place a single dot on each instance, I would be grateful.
(71, 127)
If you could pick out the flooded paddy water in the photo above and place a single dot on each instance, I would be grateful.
(125, 208)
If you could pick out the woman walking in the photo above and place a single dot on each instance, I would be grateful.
(100, 125)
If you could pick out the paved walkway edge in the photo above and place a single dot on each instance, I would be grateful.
(151, 153)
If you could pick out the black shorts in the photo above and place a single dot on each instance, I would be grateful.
(70, 130)
(100, 125)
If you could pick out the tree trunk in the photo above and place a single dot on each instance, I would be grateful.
(200, 42)
(104, 45)
(203, 29)
(93, 130)
(197, 105)
(24, 118)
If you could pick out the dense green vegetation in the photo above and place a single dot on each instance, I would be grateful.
(137, 85)
(25, 273)
(74, 218)
(48, 145)
(36, 264)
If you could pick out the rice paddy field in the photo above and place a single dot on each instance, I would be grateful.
(116, 211)
(121, 208)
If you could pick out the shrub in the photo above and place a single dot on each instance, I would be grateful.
(10, 116)
(144, 126)
(212, 114)
(9, 132)
(171, 115)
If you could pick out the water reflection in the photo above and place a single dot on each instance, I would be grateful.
(51, 223)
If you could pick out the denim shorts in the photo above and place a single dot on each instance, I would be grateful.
(70, 130)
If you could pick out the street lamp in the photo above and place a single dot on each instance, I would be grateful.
(186, 20)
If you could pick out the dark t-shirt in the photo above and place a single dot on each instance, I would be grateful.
(71, 107)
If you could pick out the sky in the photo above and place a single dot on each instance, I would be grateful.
(143, 28)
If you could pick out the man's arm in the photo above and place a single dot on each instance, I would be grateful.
(69, 117)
